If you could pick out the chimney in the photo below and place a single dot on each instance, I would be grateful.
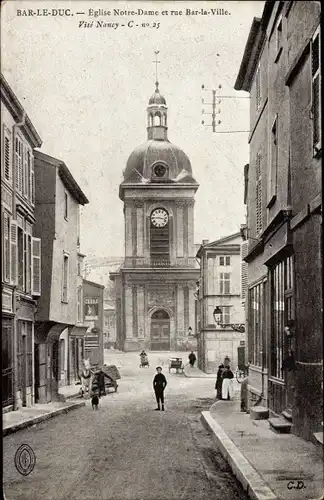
(205, 242)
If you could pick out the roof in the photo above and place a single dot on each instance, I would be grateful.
(157, 98)
(141, 160)
(19, 114)
(93, 283)
(66, 176)
(253, 48)
(219, 242)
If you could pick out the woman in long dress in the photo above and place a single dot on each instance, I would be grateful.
(227, 385)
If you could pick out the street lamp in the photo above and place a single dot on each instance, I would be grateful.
(237, 327)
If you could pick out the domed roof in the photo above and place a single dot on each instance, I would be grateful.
(141, 160)
(157, 98)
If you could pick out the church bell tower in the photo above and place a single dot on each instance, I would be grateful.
(156, 284)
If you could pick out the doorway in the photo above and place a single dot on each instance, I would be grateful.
(160, 331)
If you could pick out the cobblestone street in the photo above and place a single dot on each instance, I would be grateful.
(126, 450)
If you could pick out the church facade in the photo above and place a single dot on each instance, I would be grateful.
(155, 286)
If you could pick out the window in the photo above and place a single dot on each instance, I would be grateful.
(258, 194)
(224, 283)
(281, 311)
(244, 270)
(273, 163)
(6, 247)
(65, 205)
(36, 267)
(316, 91)
(278, 38)
(258, 87)
(65, 278)
(6, 169)
(225, 261)
(225, 318)
(256, 317)
(19, 164)
(79, 304)
(21, 251)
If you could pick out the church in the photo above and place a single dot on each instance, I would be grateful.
(155, 286)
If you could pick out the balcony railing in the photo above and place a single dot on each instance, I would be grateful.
(141, 262)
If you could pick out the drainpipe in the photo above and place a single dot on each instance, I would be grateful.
(14, 293)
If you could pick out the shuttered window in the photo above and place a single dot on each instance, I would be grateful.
(19, 164)
(36, 266)
(13, 252)
(258, 193)
(65, 278)
(258, 87)
(7, 172)
(6, 247)
(273, 162)
(21, 245)
(244, 270)
(32, 180)
(316, 90)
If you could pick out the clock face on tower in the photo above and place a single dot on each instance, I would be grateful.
(159, 217)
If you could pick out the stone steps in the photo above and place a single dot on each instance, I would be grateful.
(280, 425)
(259, 413)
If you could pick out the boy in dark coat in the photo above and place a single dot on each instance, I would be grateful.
(159, 384)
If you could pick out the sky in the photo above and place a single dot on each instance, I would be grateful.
(86, 90)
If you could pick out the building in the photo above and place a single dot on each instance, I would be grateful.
(281, 71)
(20, 251)
(57, 212)
(219, 286)
(109, 329)
(156, 283)
(93, 295)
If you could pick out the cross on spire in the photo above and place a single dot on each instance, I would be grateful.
(156, 52)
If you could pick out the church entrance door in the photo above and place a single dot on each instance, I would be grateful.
(160, 331)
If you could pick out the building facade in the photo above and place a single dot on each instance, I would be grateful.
(156, 283)
(93, 296)
(57, 211)
(219, 285)
(20, 251)
(281, 71)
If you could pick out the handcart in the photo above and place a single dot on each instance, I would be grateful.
(177, 364)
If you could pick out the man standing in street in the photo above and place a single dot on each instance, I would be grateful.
(192, 358)
(159, 384)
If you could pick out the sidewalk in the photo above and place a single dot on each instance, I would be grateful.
(14, 421)
(270, 466)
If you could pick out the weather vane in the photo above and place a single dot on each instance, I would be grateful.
(156, 52)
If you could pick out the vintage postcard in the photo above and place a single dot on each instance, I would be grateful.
(161, 222)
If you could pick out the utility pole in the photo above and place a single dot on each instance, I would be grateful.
(217, 99)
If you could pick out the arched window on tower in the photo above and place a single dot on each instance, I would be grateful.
(150, 122)
(157, 119)
(160, 238)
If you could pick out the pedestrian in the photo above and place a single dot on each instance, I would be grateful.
(159, 384)
(227, 385)
(192, 358)
(95, 400)
(219, 381)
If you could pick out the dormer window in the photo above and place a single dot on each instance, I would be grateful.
(159, 170)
